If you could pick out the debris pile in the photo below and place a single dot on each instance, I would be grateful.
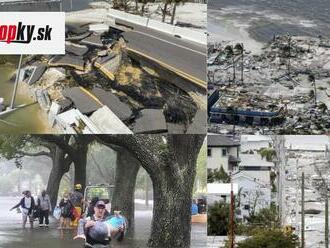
(291, 77)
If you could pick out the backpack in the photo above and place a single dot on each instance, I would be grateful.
(66, 209)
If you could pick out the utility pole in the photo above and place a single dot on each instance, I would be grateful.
(314, 91)
(326, 228)
(303, 210)
(16, 82)
(279, 146)
(289, 56)
(242, 69)
(232, 234)
(234, 72)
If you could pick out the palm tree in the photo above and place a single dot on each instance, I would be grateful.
(144, 3)
(311, 78)
(240, 48)
(164, 9)
(287, 52)
(230, 52)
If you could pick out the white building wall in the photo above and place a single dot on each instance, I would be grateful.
(249, 192)
(216, 160)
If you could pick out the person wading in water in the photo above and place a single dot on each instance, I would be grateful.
(27, 205)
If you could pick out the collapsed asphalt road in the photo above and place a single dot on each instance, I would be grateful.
(185, 56)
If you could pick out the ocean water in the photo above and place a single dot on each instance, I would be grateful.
(265, 18)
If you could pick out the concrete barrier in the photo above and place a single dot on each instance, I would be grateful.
(135, 19)
(161, 26)
(184, 33)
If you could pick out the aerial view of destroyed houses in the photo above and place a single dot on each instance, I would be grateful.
(268, 67)
(268, 191)
(129, 67)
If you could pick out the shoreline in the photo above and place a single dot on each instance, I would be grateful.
(220, 29)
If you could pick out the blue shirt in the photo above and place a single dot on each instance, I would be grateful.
(194, 209)
(116, 222)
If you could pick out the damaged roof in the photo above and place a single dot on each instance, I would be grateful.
(221, 141)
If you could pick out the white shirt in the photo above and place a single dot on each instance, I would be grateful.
(27, 202)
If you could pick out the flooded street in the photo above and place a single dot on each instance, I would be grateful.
(12, 235)
(20, 121)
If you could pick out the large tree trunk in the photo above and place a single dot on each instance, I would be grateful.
(59, 168)
(171, 224)
(78, 154)
(173, 188)
(126, 173)
(80, 163)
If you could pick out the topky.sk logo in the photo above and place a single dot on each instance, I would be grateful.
(21, 33)
(32, 33)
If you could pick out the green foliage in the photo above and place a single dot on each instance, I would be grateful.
(266, 218)
(267, 153)
(270, 238)
(218, 219)
(100, 192)
(9, 145)
(217, 175)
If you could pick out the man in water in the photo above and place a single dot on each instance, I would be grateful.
(94, 229)
(45, 208)
(77, 199)
(27, 205)
(99, 230)
(194, 208)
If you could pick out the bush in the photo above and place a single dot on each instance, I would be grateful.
(217, 175)
(271, 238)
(218, 219)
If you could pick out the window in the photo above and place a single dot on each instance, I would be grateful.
(209, 152)
(224, 152)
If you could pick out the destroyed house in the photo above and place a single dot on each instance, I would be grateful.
(246, 116)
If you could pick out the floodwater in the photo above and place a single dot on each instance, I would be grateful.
(30, 119)
(263, 19)
(12, 235)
